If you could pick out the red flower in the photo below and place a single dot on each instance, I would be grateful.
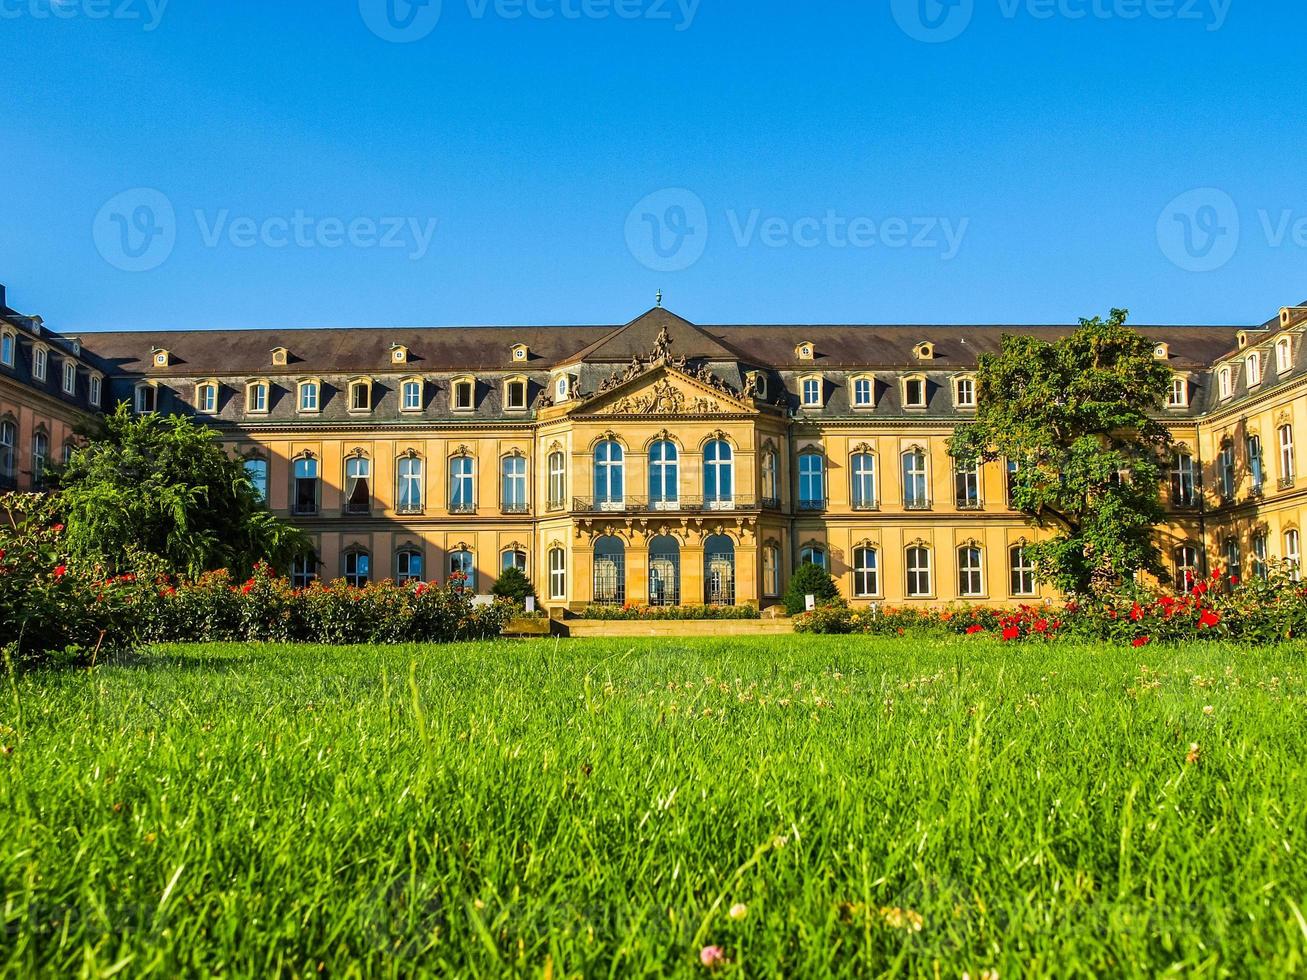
(1209, 619)
(1041, 626)
(57, 529)
(1137, 612)
(1234, 579)
(1012, 633)
(60, 571)
(245, 589)
(1141, 641)
(973, 630)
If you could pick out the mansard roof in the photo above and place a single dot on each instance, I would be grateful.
(437, 350)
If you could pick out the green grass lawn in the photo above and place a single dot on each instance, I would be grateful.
(598, 808)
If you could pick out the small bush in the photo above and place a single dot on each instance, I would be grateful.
(833, 617)
(809, 580)
(514, 585)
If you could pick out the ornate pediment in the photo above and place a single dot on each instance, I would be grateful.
(666, 390)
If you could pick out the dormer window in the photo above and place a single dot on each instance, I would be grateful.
(515, 394)
(1178, 397)
(1242, 337)
(411, 395)
(360, 395)
(1284, 355)
(924, 351)
(463, 398)
(864, 392)
(95, 390)
(521, 353)
(810, 392)
(1161, 352)
(561, 388)
(147, 398)
(280, 357)
(310, 396)
(914, 392)
(8, 345)
(759, 383)
(160, 358)
(964, 392)
(70, 377)
(1225, 382)
(398, 354)
(206, 397)
(40, 361)
(256, 397)
(805, 351)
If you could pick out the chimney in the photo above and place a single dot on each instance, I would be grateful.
(3, 304)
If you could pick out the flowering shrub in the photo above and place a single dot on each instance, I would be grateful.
(830, 617)
(635, 611)
(49, 607)
(1265, 610)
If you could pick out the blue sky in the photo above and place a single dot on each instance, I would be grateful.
(172, 163)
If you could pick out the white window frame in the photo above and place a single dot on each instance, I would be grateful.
(969, 401)
(971, 577)
(95, 390)
(456, 391)
(1288, 458)
(1293, 553)
(864, 391)
(915, 572)
(8, 347)
(557, 462)
(203, 391)
(1020, 567)
(141, 389)
(1253, 368)
(511, 386)
(862, 491)
(866, 573)
(1224, 382)
(1179, 396)
(40, 361)
(410, 485)
(410, 386)
(513, 483)
(305, 404)
(462, 483)
(810, 392)
(908, 382)
(1284, 355)
(70, 377)
(258, 394)
(557, 573)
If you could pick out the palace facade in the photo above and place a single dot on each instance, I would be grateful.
(662, 462)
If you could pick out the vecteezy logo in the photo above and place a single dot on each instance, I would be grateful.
(1199, 230)
(135, 231)
(668, 230)
(400, 21)
(933, 21)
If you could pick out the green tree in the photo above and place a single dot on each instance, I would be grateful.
(1078, 417)
(809, 580)
(166, 486)
(514, 584)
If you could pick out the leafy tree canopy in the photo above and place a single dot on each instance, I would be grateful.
(1078, 417)
(165, 486)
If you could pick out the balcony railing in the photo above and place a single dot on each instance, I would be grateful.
(970, 503)
(462, 508)
(1286, 483)
(862, 506)
(916, 503)
(646, 505)
(812, 506)
(771, 503)
(514, 507)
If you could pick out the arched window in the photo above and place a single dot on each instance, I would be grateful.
(8, 449)
(812, 481)
(1179, 394)
(462, 571)
(1256, 465)
(1186, 567)
(771, 571)
(718, 475)
(814, 555)
(864, 393)
(463, 395)
(916, 494)
(206, 398)
(94, 390)
(609, 476)
(512, 478)
(256, 398)
(863, 469)
(918, 563)
(664, 476)
(1182, 480)
(919, 571)
(1233, 558)
(1022, 571)
(513, 558)
(360, 396)
(1260, 567)
(664, 571)
(147, 398)
(1254, 365)
(408, 566)
(1288, 461)
(557, 573)
(1284, 354)
(70, 377)
(866, 572)
(309, 396)
(557, 481)
(411, 396)
(305, 499)
(1224, 382)
(409, 477)
(966, 480)
(771, 481)
(8, 343)
(1293, 554)
(462, 485)
(40, 458)
(1225, 469)
(304, 571)
(358, 568)
(256, 469)
(609, 572)
(964, 392)
(515, 395)
(811, 391)
(358, 485)
(971, 578)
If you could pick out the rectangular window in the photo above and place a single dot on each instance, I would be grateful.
(516, 396)
(462, 491)
(1288, 462)
(70, 378)
(304, 572)
(208, 399)
(146, 399)
(863, 393)
(360, 397)
(914, 393)
(358, 480)
(95, 392)
(1225, 466)
(7, 344)
(970, 573)
(771, 571)
(812, 482)
(1284, 355)
(309, 397)
(306, 486)
(463, 395)
(514, 485)
(866, 572)
(1260, 567)
(412, 396)
(256, 398)
(557, 481)
(1256, 467)
(1292, 555)
(1182, 481)
(557, 574)
(967, 486)
(410, 485)
(1179, 394)
(1023, 573)
(40, 357)
(358, 565)
(919, 572)
(966, 393)
(811, 393)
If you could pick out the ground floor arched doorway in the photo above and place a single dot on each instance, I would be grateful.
(664, 572)
(719, 571)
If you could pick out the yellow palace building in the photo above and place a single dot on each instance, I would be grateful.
(660, 461)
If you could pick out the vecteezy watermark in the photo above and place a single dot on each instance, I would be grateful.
(1199, 231)
(137, 230)
(668, 231)
(405, 21)
(148, 12)
(937, 21)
